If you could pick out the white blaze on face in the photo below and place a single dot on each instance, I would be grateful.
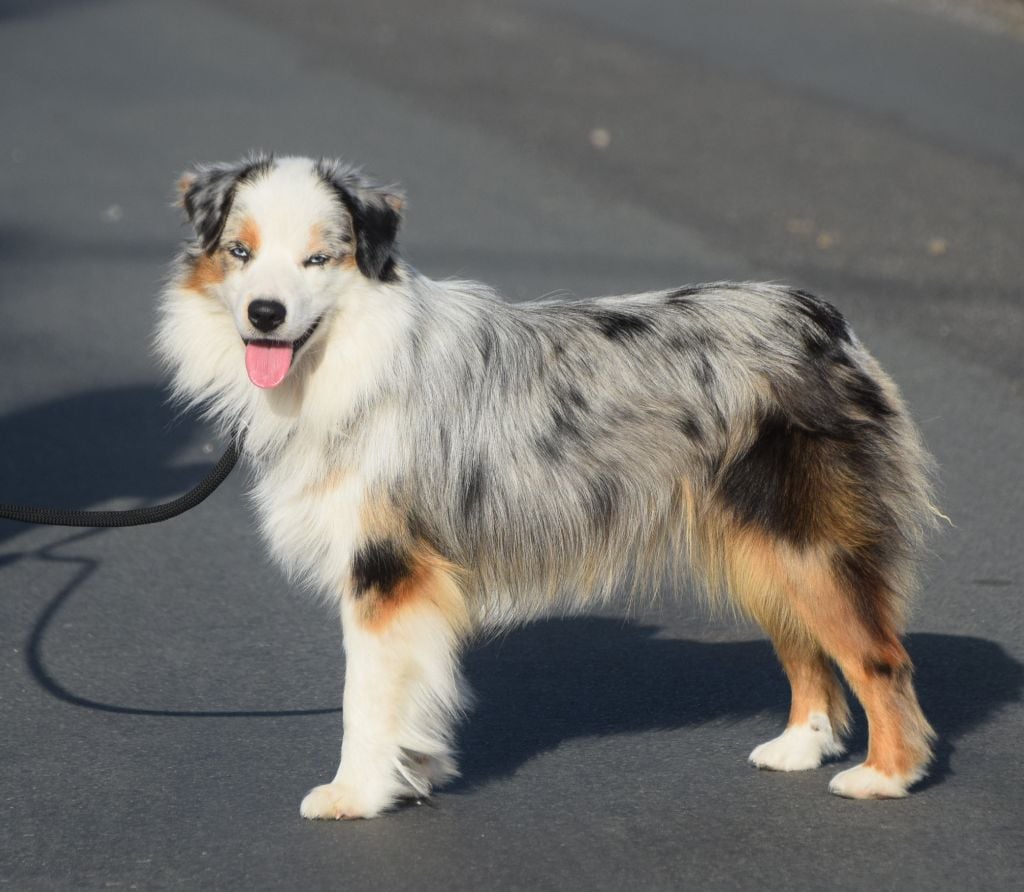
(283, 212)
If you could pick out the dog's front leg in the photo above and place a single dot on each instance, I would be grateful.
(403, 691)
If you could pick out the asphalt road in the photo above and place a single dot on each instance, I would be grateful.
(166, 699)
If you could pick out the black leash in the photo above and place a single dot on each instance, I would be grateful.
(131, 517)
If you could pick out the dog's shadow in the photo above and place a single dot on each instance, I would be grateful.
(556, 680)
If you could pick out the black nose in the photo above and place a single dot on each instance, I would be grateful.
(266, 315)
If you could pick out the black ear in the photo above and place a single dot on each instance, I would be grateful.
(375, 214)
(207, 192)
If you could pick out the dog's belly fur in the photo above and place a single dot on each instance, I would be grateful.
(438, 461)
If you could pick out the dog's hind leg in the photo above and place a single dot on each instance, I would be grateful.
(818, 714)
(404, 619)
(852, 618)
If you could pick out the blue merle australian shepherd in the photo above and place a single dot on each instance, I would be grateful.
(440, 462)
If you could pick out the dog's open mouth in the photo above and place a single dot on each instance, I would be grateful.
(267, 361)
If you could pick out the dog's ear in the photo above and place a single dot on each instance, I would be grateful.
(207, 191)
(376, 213)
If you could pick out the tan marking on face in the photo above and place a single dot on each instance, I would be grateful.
(315, 242)
(205, 272)
(249, 234)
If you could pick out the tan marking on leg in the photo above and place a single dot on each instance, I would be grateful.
(758, 581)
(899, 734)
(756, 578)
(797, 596)
(432, 581)
(432, 584)
(813, 683)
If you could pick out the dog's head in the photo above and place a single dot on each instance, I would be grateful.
(278, 242)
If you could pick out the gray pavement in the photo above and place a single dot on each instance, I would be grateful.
(166, 700)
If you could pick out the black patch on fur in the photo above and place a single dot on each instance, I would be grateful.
(680, 295)
(473, 487)
(577, 398)
(604, 496)
(824, 350)
(696, 339)
(381, 564)
(487, 346)
(617, 325)
(376, 229)
(565, 425)
(866, 394)
(823, 315)
(624, 415)
(570, 400)
(782, 484)
(704, 373)
(374, 222)
(762, 485)
(209, 199)
(549, 448)
(569, 407)
(687, 422)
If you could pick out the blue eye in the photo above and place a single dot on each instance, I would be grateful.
(316, 260)
(239, 251)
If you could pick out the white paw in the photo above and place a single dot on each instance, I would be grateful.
(864, 782)
(799, 747)
(335, 802)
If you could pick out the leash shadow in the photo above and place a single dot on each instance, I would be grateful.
(94, 448)
(83, 568)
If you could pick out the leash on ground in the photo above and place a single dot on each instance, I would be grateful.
(130, 517)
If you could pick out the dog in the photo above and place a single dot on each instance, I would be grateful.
(439, 462)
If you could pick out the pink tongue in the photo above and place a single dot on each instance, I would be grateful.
(267, 364)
